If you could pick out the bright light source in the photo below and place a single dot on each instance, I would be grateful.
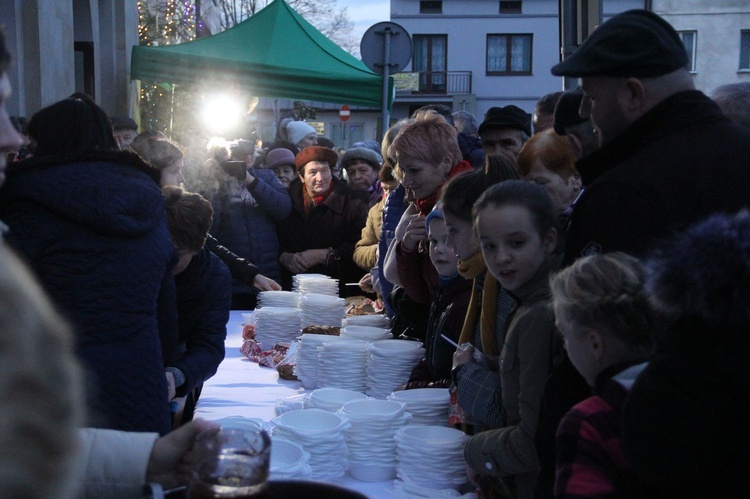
(221, 112)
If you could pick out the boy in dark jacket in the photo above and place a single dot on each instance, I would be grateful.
(204, 297)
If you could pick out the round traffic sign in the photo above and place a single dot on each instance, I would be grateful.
(344, 113)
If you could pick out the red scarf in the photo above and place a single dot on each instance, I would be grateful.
(425, 205)
(313, 201)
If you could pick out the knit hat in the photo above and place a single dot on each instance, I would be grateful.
(279, 157)
(566, 111)
(437, 212)
(315, 153)
(363, 154)
(636, 43)
(298, 130)
(507, 117)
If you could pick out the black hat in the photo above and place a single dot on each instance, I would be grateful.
(507, 117)
(635, 43)
(123, 123)
(566, 111)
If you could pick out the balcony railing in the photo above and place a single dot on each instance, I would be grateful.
(433, 82)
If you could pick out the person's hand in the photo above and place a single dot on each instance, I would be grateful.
(248, 178)
(293, 262)
(416, 232)
(472, 475)
(463, 355)
(169, 463)
(365, 284)
(171, 388)
(313, 257)
(264, 283)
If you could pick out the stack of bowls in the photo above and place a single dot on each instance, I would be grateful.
(322, 310)
(372, 320)
(342, 364)
(427, 406)
(321, 434)
(431, 457)
(370, 438)
(278, 299)
(289, 461)
(306, 360)
(367, 333)
(277, 324)
(389, 364)
(315, 283)
(331, 399)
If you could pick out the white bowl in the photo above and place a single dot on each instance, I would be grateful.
(372, 409)
(371, 472)
(287, 457)
(430, 435)
(388, 347)
(436, 396)
(335, 396)
(241, 423)
(310, 421)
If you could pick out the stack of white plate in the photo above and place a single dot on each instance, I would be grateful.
(373, 320)
(321, 434)
(342, 365)
(427, 406)
(367, 333)
(306, 361)
(331, 399)
(431, 457)
(322, 310)
(370, 439)
(289, 461)
(278, 299)
(389, 364)
(315, 283)
(277, 324)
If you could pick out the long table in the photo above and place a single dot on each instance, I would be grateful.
(241, 387)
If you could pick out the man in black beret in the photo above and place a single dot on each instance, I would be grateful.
(504, 130)
(668, 156)
(125, 130)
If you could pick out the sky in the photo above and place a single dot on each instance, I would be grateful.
(365, 13)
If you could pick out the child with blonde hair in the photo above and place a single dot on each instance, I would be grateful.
(603, 314)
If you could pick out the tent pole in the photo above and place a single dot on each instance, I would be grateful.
(386, 69)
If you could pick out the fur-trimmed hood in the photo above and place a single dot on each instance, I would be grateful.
(705, 273)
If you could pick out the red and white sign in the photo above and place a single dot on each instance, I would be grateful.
(344, 113)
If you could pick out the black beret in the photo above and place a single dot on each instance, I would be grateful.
(636, 43)
(507, 117)
(566, 111)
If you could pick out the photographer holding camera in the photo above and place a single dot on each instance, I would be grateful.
(248, 202)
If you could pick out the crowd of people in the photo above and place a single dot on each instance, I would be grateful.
(591, 260)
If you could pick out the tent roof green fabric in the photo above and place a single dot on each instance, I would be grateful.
(275, 53)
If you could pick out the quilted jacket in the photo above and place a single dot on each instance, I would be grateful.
(94, 231)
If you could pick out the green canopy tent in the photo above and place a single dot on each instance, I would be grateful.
(275, 53)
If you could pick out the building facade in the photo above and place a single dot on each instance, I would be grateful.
(65, 46)
(716, 35)
(475, 54)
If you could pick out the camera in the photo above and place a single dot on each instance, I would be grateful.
(236, 169)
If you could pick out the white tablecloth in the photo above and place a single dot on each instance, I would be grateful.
(242, 388)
